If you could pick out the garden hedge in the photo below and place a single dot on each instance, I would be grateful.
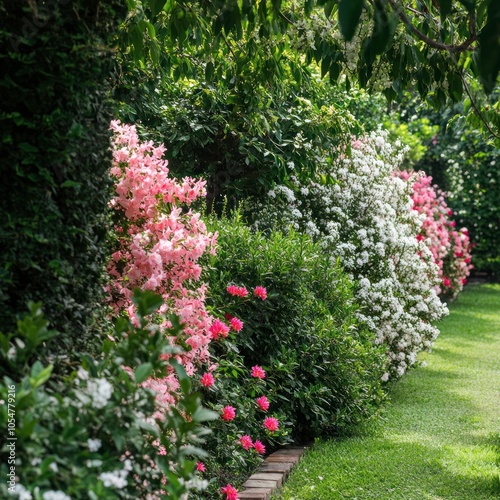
(55, 156)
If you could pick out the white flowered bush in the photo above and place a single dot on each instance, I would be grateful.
(362, 215)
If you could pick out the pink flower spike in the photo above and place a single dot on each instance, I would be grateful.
(271, 424)
(258, 372)
(246, 442)
(260, 292)
(207, 380)
(230, 491)
(263, 403)
(228, 413)
(259, 447)
(236, 324)
(200, 467)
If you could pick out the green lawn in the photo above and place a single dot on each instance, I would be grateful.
(438, 435)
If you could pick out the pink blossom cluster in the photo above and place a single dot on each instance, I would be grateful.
(160, 242)
(450, 248)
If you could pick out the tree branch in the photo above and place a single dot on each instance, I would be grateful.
(433, 43)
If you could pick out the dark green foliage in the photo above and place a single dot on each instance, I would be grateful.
(464, 162)
(240, 134)
(324, 367)
(54, 117)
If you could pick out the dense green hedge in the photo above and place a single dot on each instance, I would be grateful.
(324, 367)
(54, 159)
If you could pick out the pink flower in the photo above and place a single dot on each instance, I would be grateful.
(218, 328)
(260, 292)
(200, 466)
(207, 380)
(236, 324)
(259, 447)
(258, 372)
(446, 281)
(263, 403)
(271, 424)
(230, 492)
(246, 442)
(228, 413)
(237, 291)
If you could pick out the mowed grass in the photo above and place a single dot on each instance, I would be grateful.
(439, 435)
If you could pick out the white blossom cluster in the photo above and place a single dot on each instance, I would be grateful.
(364, 217)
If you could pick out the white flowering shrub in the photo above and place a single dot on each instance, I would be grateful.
(95, 433)
(362, 215)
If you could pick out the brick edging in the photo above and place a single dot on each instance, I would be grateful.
(271, 474)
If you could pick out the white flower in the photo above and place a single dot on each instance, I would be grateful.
(36, 461)
(385, 377)
(53, 466)
(55, 495)
(22, 493)
(11, 353)
(116, 479)
(94, 444)
(100, 390)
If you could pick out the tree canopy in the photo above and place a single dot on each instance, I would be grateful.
(443, 49)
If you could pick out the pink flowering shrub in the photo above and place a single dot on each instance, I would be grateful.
(241, 396)
(159, 244)
(450, 248)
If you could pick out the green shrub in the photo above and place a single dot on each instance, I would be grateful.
(325, 368)
(94, 434)
(55, 159)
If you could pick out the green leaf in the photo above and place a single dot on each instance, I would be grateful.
(142, 372)
(489, 48)
(444, 7)
(183, 377)
(328, 8)
(383, 28)
(156, 6)
(204, 415)
(349, 14)
(147, 302)
(41, 376)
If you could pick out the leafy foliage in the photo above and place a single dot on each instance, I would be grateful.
(92, 434)
(465, 163)
(435, 46)
(324, 367)
(55, 159)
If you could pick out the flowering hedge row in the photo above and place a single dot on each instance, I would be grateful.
(450, 247)
(289, 333)
(363, 215)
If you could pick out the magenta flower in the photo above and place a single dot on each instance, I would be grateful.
(228, 413)
(246, 442)
(237, 291)
(230, 491)
(259, 447)
(260, 292)
(258, 372)
(271, 424)
(446, 281)
(218, 328)
(236, 324)
(263, 403)
(207, 380)
(200, 466)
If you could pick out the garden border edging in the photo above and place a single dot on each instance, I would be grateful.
(272, 473)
